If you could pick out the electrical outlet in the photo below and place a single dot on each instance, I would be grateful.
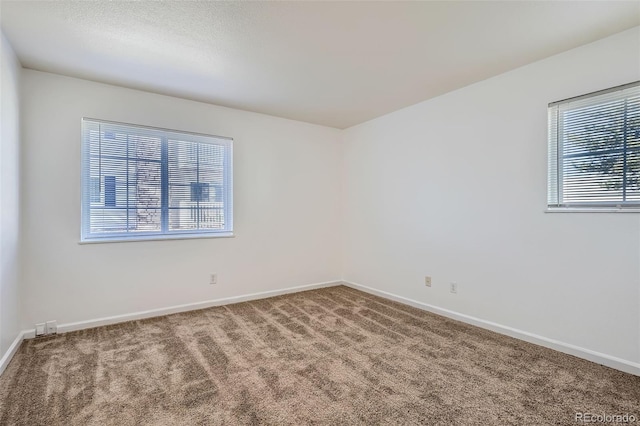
(453, 287)
(427, 281)
(213, 279)
(51, 327)
(40, 329)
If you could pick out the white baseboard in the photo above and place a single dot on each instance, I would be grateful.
(6, 358)
(597, 357)
(80, 325)
(567, 348)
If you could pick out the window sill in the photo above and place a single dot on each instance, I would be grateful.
(591, 210)
(157, 238)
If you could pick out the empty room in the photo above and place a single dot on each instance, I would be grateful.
(318, 212)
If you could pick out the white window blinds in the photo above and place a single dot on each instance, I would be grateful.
(594, 150)
(141, 182)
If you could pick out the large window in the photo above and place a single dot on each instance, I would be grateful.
(594, 150)
(145, 183)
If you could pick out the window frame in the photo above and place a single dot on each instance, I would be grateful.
(555, 158)
(86, 183)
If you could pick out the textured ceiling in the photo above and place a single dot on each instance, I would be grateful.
(331, 63)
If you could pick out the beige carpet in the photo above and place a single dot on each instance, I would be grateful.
(331, 356)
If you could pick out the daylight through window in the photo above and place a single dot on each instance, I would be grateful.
(140, 183)
(594, 150)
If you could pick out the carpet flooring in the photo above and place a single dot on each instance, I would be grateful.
(333, 356)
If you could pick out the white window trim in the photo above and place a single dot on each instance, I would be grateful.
(163, 237)
(591, 210)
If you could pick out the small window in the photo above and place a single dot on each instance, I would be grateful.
(95, 189)
(145, 183)
(199, 192)
(109, 191)
(594, 150)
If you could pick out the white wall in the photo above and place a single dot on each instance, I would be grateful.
(286, 203)
(9, 195)
(455, 188)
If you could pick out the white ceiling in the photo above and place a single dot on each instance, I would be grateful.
(331, 63)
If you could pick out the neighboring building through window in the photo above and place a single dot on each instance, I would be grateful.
(141, 182)
(594, 150)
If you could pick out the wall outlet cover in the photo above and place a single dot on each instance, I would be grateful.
(51, 327)
(40, 329)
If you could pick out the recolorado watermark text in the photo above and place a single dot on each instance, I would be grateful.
(605, 418)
